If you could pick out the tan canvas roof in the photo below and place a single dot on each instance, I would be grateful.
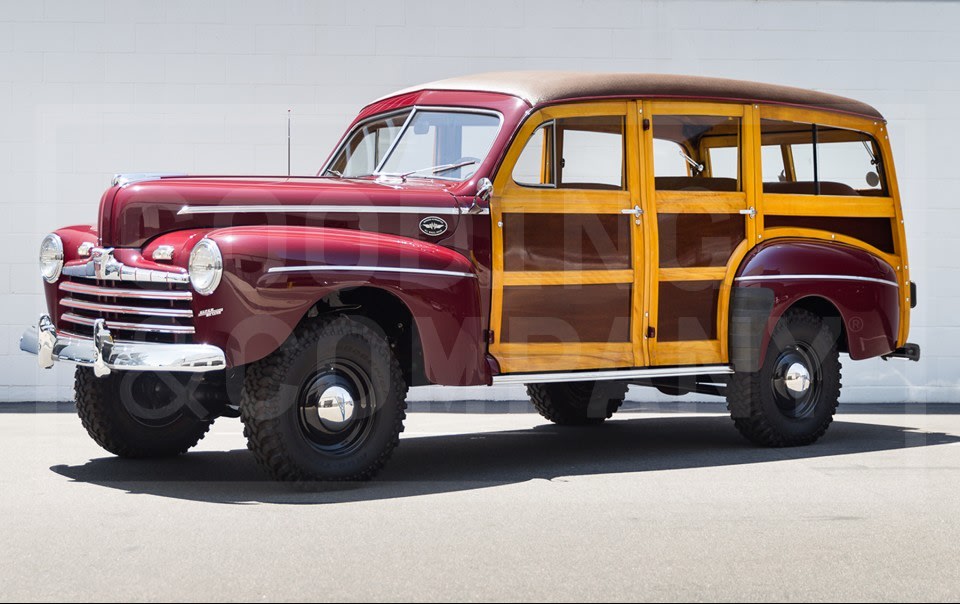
(537, 87)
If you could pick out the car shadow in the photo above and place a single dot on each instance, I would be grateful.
(450, 463)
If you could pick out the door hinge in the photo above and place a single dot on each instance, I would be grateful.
(751, 212)
(488, 336)
(646, 124)
(651, 332)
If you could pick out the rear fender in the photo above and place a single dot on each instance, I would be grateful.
(274, 275)
(782, 273)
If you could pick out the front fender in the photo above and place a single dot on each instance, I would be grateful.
(781, 273)
(273, 275)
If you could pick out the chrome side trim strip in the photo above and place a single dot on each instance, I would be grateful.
(317, 209)
(124, 325)
(818, 278)
(377, 269)
(610, 374)
(116, 292)
(127, 310)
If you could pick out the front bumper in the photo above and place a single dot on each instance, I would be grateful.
(105, 355)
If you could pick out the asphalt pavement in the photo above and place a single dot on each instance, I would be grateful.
(489, 502)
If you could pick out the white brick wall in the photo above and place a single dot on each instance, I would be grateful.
(93, 87)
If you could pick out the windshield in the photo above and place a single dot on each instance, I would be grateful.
(421, 143)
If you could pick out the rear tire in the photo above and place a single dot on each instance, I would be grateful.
(139, 415)
(792, 399)
(577, 403)
(327, 405)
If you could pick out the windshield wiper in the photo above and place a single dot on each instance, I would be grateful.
(439, 169)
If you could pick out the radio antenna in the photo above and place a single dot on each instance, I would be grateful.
(288, 142)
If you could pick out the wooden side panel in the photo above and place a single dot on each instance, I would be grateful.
(878, 232)
(688, 310)
(565, 242)
(698, 240)
(566, 313)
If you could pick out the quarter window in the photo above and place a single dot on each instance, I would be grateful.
(812, 159)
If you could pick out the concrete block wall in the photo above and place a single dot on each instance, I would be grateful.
(93, 87)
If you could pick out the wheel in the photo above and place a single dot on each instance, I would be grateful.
(792, 399)
(577, 403)
(327, 405)
(141, 414)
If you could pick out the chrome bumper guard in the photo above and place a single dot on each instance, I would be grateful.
(105, 355)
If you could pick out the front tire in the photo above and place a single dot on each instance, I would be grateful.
(140, 415)
(327, 405)
(792, 399)
(577, 403)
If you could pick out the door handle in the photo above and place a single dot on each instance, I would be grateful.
(637, 212)
(751, 212)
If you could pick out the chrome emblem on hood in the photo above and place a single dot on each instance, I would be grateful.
(433, 226)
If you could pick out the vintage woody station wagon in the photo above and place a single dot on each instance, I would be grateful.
(573, 232)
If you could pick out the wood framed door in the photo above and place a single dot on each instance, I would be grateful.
(699, 183)
(567, 288)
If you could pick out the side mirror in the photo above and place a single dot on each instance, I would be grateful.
(484, 191)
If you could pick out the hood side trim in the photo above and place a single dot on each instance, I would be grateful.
(321, 209)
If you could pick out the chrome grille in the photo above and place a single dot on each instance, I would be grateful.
(151, 312)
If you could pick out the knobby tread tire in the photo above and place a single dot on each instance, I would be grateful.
(109, 425)
(565, 405)
(262, 405)
(745, 391)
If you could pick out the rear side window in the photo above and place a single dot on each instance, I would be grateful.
(811, 159)
(574, 153)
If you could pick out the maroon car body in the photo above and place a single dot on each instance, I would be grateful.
(421, 256)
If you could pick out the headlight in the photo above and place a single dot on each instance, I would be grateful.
(51, 257)
(206, 267)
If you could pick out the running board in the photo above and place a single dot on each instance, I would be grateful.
(611, 374)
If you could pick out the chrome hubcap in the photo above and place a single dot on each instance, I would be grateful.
(335, 407)
(797, 380)
(796, 374)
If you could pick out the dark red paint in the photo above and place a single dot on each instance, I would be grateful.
(870, 311)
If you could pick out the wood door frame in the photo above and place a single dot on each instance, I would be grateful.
(509, 197)
(699, 352)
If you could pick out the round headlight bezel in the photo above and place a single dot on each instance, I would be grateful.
(51, 257)
(205, 278)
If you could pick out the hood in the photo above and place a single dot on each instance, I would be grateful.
(137, 212)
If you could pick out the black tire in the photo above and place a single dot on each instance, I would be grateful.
(283, 393)
(577, 403)
(140, 414)
(770, 407)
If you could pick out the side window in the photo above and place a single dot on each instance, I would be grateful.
(707, 148)
(574, 153)
(534, 167)
(668, 158)
(591, 153)
(852, 160)
(811, 159)
(773, 163)
(723, 162)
